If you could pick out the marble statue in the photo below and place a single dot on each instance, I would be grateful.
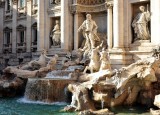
(56, 34)
(55, 1)
(89, 28)
(140, 24)
(94, 64)
(117, 87)
(53, 60)
(105, 62)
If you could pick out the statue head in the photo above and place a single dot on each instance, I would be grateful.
(88, 17)
(142, 8)
(44, 51)
(57, 21)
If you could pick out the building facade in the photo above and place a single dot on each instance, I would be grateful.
(29, 26)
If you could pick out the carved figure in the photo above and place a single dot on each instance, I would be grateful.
(36, 64)
(105, 64)
(51, 64)
(80, 98)
(55, 1)
(140, 24)
(94, 61)
(89, 28)
(56, 34)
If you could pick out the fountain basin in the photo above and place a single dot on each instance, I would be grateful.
(47, 89)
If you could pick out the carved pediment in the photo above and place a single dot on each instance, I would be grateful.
(21, 27)
(7, 29)
(34, 25)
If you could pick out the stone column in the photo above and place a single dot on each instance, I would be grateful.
(66, 25)
(14, 27)
(110, 27)
(29, 23)
(76, 34)
(41, 25)
(118, 24)
(155, 21)
(1, 26)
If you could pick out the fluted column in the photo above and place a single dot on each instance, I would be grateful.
(29, 21)
(110, 26)
(14, 26)
(118, 24)
(155, 21)
(41, 25)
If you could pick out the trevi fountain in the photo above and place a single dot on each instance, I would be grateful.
(88, 80)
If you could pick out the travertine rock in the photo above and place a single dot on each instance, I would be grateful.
(116, 87)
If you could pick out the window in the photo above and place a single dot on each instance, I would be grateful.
(8, 6)
(7, 38)
(35, 35)
(21, 36)
(21, 3)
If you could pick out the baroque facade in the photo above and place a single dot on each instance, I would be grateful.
(28, 26)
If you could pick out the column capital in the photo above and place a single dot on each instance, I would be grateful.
(109, 6)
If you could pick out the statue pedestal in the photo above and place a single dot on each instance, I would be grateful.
(141, 49)
(142, 45)
(58, 46)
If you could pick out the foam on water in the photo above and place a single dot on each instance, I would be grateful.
(24, 100)
(58, 75)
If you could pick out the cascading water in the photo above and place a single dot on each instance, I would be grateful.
(58, 74)
(49, 89)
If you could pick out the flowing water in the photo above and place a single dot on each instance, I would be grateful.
(23, 107)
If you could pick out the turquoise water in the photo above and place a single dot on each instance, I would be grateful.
(23, 107)
(14, 106)
(131, 110)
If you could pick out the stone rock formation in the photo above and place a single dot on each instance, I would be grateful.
(14, 78)
(113, 88)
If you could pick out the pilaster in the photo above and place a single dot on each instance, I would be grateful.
(155, 21)
(76, 34)
(14, 26)
(28, 31)
(1, 25)
(66, 25)
(110, 26)
(118, 15)
(41, 25)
